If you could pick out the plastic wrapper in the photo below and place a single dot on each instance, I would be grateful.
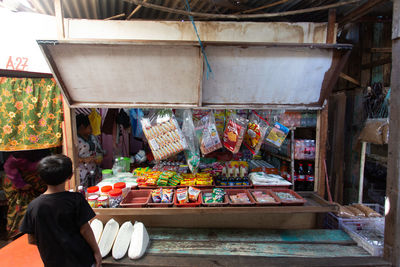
(207, 134)
(355, 211)
(218, 195)
(192, 154)
(182, 195)
(156, 195)
(193, 193)
(255, 134)
(167, 195)
(240, 198)
(277, 134)
(367, 210)
(234, 132)
(163, 134)
(375, 131)
(219, 115)
(344, 212)
(208, 198)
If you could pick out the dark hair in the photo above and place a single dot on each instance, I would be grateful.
(82, 119)
(55, 170)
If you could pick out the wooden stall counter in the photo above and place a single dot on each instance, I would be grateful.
(262, 217)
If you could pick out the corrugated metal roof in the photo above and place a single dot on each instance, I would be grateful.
(102, 9)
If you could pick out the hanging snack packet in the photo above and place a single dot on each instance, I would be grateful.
(207, 134)
(255, 133)
(163, 134)
(219, 115)
(234, 133)
(193, 193)
(192, 154)
(182, 195)
(277, 134)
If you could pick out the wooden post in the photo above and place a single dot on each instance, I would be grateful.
(331, 31)
(69, 145)
(322, 135)
(392, 220)
(362, 165)
(58, 8)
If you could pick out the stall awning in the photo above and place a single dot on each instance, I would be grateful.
(172, 74)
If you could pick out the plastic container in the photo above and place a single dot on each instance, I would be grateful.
(299, 201)
(92, 200)
(332, 221)
(105, 190)
(115, 197)
(93, 190)
(225, 203)
(161, 205)
(102, 202)
(230, 192)
(189, 204)
(136, 199)
(374, 241)
(268, 192)
(106, 173)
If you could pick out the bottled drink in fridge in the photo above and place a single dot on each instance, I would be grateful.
(310, 178)
(301, 177)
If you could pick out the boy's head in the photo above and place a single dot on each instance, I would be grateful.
(55, 170)
(83, 125)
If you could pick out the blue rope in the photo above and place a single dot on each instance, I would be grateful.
(187, 6)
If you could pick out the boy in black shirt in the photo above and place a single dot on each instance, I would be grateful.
(57, 221)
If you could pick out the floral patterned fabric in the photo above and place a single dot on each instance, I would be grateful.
(30, 114)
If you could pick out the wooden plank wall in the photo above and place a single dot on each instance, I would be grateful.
(369, 62)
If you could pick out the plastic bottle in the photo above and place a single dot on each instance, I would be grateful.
(91, 178)
(310, 178)
(81, 190)
(93, 190)
(105, 190)
(115, 198)
(301, 177)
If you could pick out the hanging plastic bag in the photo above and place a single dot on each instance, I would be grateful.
(277, 134)
(234, 132)
(192, 154)
(256, 130)
(163, 134)
(95, 122)
(207, 134)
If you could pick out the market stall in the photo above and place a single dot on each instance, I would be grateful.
(259, 82)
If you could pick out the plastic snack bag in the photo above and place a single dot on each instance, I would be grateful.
(255, 133)
(234, 132)
(192, 154)
(163, 134)
(207, 134)
(219, 115)
(193, 193)
(277, 134)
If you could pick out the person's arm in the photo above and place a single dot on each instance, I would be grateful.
(31, 239)
(87, 233)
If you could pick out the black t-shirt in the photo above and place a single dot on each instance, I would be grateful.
(55, 221)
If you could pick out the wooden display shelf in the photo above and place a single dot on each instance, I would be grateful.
(267, 217)
(314, 204)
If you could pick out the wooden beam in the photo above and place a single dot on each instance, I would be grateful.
(330, 33)
(359, 12)
(58, 10)
(378, 62)
(348, 78)
(116, 16)
(263, 7)
(137, 8)
(392, 219)
(381, 50)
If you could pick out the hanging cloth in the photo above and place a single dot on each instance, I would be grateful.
(31, 114)
(95, 122)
